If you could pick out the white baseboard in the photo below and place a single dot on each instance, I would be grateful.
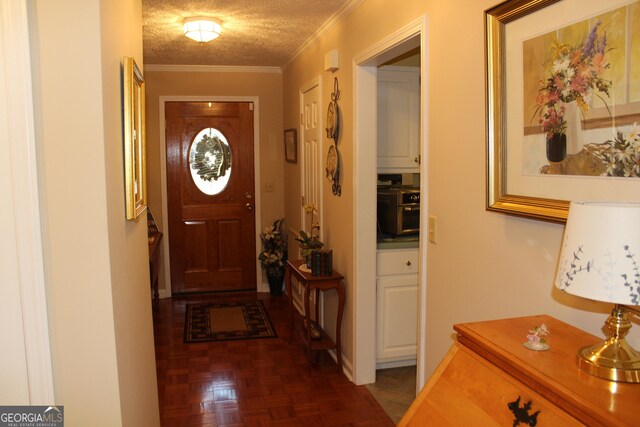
(396, 364)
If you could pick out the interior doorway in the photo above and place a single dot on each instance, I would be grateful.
(365, 80)
(311, 140)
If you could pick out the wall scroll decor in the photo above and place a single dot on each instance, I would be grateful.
(333, 132)
(563, 105)
(134, 140)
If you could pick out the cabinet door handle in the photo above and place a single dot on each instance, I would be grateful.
(408, 263)
(194, 222)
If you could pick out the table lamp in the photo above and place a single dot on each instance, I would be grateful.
(600, 260)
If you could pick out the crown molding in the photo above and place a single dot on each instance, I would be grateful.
(338, 17)
(210, 68)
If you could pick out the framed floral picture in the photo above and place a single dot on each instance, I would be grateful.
(291, 146)
(563, 104)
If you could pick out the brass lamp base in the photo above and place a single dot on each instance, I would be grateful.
(613, 359)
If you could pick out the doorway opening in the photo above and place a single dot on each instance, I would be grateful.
(366, 66)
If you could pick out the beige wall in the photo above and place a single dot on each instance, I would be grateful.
(485, 265)
(267, 86)
(95, 261)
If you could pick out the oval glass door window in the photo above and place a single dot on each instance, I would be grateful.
(210, 161)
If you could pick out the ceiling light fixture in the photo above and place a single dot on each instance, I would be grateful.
(202, 29)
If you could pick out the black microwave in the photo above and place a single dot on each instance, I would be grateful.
(399, 211)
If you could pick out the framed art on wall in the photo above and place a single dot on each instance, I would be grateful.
(563, 104)
(134, 140)
(291, 145)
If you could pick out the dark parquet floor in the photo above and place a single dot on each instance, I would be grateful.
(261, 382)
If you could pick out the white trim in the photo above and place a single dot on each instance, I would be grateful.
(16, 66)
(210, 68)
(261, 287)
(364, 167)
(338, 17)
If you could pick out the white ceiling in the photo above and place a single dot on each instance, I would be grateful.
(265, 33)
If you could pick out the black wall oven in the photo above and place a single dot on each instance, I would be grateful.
(399, 210)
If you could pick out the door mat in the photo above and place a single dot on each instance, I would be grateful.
(225, 321)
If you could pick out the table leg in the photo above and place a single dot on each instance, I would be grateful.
(340, 290)
(287, 287)
(307, 319)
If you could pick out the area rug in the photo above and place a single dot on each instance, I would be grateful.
(225, 321)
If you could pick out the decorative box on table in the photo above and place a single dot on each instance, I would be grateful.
(321, 262)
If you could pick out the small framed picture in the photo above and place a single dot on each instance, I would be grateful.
(291, 145)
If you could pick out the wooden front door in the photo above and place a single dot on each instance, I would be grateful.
(210, 189)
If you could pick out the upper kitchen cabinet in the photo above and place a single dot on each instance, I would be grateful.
(398, 119)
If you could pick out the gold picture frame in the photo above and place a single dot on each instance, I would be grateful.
(134, 140)
(513, 187)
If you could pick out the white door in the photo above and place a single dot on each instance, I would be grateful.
(311, 137)
(311, 168)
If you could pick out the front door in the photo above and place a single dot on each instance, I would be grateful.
(210, 196)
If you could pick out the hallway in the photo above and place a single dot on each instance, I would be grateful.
(260, 382)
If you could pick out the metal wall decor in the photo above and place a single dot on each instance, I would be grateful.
(333, 132)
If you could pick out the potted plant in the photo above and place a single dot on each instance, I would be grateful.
(311, 240)
(273, 255)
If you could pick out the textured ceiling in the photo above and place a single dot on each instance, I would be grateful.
(254, 32)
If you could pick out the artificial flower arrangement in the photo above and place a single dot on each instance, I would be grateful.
(309, 241)
(574, 74)
(274, 248)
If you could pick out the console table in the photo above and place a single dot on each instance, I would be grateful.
(315, 284)
(489, 378)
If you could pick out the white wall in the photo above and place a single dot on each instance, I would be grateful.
(96, 265)
(485, 265)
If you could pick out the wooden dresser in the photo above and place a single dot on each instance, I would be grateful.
(488, 378)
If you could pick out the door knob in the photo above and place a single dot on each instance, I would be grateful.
(249, 206)
(408, 263)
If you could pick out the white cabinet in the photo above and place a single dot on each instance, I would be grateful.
(398, 117)
(397, 306)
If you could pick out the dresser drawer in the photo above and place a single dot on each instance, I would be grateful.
(401, 261)
(466, 387)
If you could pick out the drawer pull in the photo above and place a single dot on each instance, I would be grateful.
(408, 263)
(521, 413)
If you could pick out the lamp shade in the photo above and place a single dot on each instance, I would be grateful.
(600, 255)
(201, 29)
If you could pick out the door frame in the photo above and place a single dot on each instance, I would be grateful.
(364, 201)
(260, 287)
(27, 295)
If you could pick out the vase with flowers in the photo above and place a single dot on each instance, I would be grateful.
(274, 255)
(575, 74)
(309, 241)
